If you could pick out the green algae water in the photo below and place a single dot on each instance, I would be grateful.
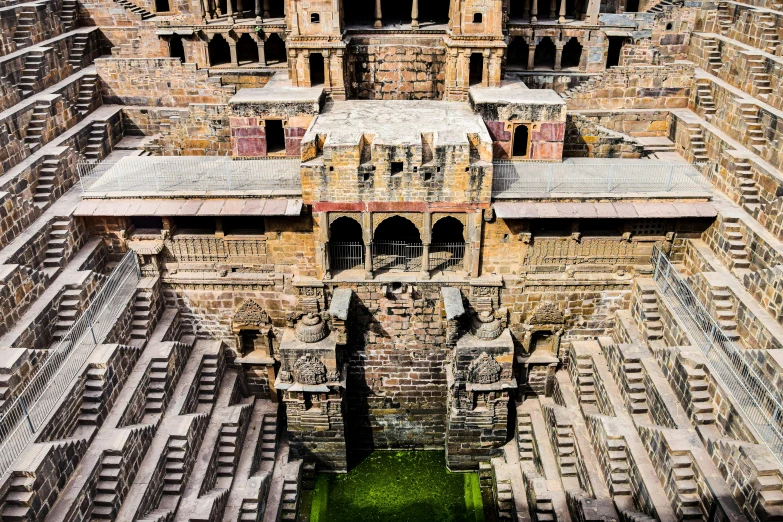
(401, 486)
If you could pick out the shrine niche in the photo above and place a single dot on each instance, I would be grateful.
(252, 329)
(541, 345)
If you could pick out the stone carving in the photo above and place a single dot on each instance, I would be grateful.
(285, 377)
(484, 370)
(251, 314)
(486, 326)
(308, 369)
(311, 328)
(547, 313)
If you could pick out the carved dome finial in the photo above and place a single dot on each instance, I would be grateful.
(311, 328)
(486, 326)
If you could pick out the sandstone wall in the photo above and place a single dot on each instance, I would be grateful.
(586, 139)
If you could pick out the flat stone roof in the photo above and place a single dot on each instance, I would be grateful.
(397, 122)
(515, 93)
(278, 90)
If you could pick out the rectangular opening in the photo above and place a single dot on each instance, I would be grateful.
(195, 225)
(366, 176)
(236, 225)
(275, 136)
(427, 175)
(396, 168)
(142, 223)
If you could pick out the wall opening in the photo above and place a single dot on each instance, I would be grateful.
(247, 50)
(194, 225)
(516, 9)
(433, 12)
(219, 51)
(276, 9)
(476, 68)
(396, 168)
(521, 142)
(162, 6)
(346, 247)
(243, 226)
(316, 69)
(274, 50)
(359, 12)
(275, 136)
(315, 18)
(397, 228)
(572, 54)
(544, 9)
(615, 51)
(176, 49)
(544, 58)
(518, 52)
(478, 18)
(632, 6)
(397, 11)
(154, 223)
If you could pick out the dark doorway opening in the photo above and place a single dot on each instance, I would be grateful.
(397, 228)
(518, 51)
(346, 247)
(632, 6)
(276, 9)
(544, 9)
(247, 49)
(545, 55)
(615, 51)
(521, 139)
(219, 51)
(448, 244)
(572, 54)
(316, 69)
(162, 6)
(275, 136)
(476, 69)
(176, 49)
(433, 12)
(274, 50)
(359, 12)
(397, 11)
(516, 9)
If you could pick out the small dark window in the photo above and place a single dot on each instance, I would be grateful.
(275, 136)
(669, 26)
(195, 225)
(250, 225)
(476, 68)
(519, 147)
(427, 176)
(396, 167)
(147, 222)
(366, 176)
(477, 18)
(315, 18)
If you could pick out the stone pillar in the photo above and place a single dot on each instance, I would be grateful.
(415, 14)
(526, 9)
(485, 69)
(261, 52)
(531, 56)
(240, 9)
(218, 10)
(232, 46)
(378, 14)
(593, 8)
(266, 8)
(552, 9)
(327, 70)
(534, 12)
(230, 9)
(367, 237)
(562, 18)
(306, 68)
(558, 56)
(426, 240)
(258, 13)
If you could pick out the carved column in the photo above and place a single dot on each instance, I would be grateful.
(240, 9)
(266, 8)
(534, 12)
(526, 9)
(415, 14)
(230, 10)
(485, 69)
(562, 18)
(426, 240)
(232, 46)
(558, 56)
(367, 237)
(552, 9)
(327, 69)
(378, 14)
(258, 12)
(306, 68)
(531, 56)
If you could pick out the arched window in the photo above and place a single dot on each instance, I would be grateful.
(397, 245)
(572, 54)
(477, 18)
(447, 250)
(176, 49)
(219, 51)
(315, 18)
(346, 248)
(521, 142)
(518, 51)
(247, 49)
(544, 58)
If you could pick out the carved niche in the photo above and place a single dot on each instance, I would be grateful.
(250, 314)
(308, 369)
(252, 329)
(547, 313)
(484, 370)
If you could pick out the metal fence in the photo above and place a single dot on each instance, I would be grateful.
(756, 398)
(346, 255)
(515, 177)
(399, 255)
(446, 256)
(26, 411)
(189, 174)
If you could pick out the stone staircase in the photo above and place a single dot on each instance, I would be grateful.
(725, 20)
(748, 189)
(228, 452)
(156, 387)
(47, 178)
(176, 469)
(760, 77)
(92, 397)
(19, 499)
(104, 504)
(269, 438)
(662, 5)
(704, 97)
(33, 64)
(55, 248)
(501, 487)
(566, 450)
(636, 516)
(712, 50)
(23, 34)
(634, 388)
(87, 89)
(68, 15)
(140, 325)
(290, 503)
(585, 377)
(98, 135)
(67, 312)
(525, 441)
(697, 145)
(619, 480)
(688, 505)
(738, 248)
(700, 399)
(77, 51)
(133, 8)
(651, 314)
(753, 128)
(207, 386)
(723, 310)
(769, 35)
(37, 125)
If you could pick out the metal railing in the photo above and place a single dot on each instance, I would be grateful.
(189, 174)
(346, 255)
(446, 256)
(398, 255)
(523, 177)
(755, 397)
(27, 410)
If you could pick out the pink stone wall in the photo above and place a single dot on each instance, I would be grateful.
(248, 137)
(546, 140)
